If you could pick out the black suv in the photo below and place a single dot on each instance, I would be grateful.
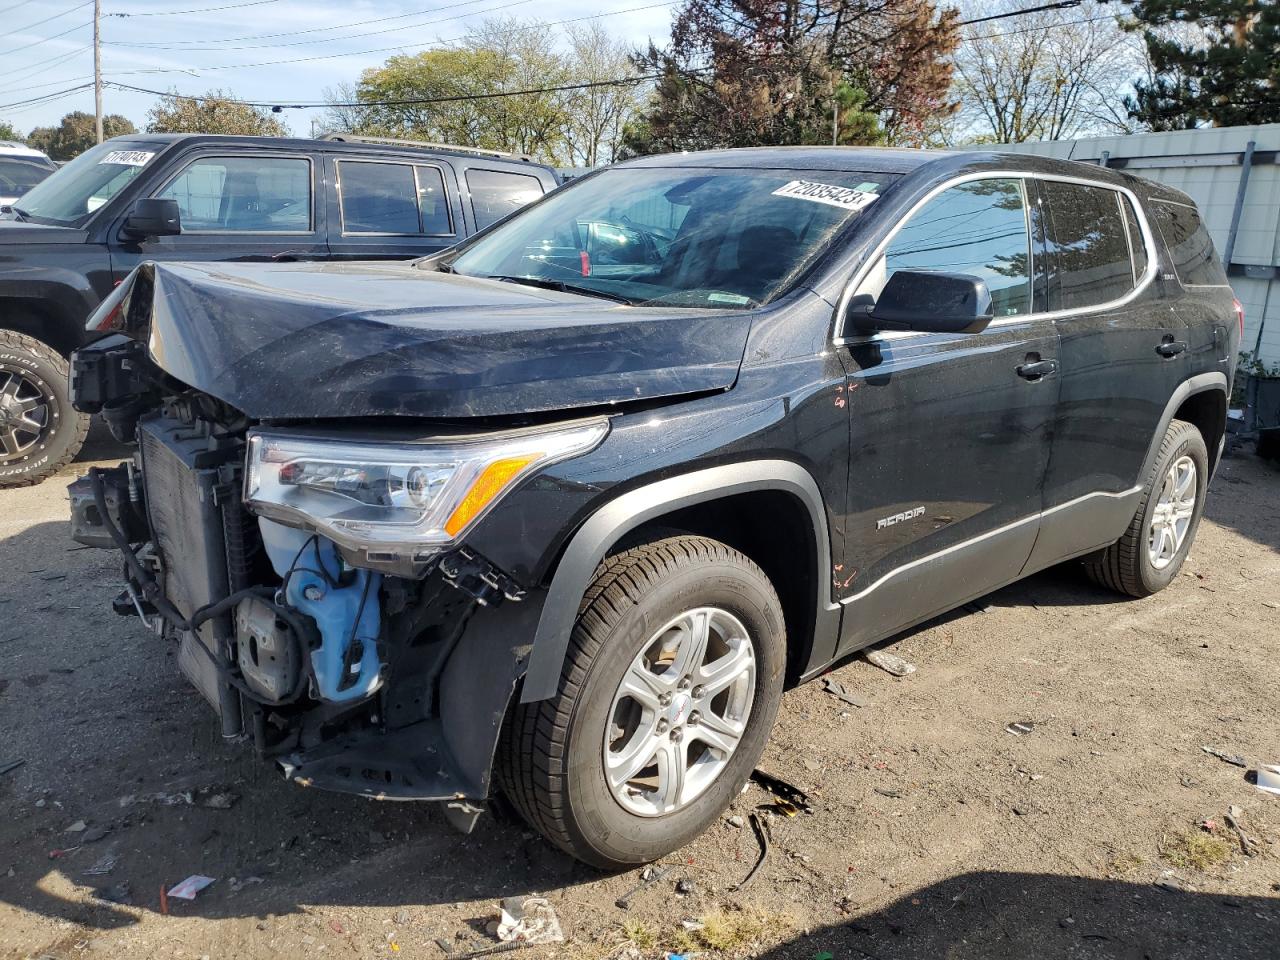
(148, 197)
(560, 512)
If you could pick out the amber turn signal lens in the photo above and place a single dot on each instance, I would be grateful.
(488, 485)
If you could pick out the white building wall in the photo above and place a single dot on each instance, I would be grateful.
(1206, 165)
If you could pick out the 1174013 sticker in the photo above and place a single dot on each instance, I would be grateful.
(847, 198)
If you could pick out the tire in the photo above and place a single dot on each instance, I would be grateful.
(551, 764)
(1269, 444)
(34, 392)
(1128, 566)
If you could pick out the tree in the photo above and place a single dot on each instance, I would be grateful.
(215, 112)
(1047, 75)
(502, 57)
(597, 116)
(749, 72)
(75, 134)
(1213, 62)
(9, 132)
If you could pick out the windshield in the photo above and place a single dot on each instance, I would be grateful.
(68, 197)
(18, 175)
(679, 236)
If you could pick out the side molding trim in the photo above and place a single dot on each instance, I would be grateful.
(623, 514)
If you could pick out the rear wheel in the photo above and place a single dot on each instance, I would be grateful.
(669, 690)
(39, 431)
(1152, 550)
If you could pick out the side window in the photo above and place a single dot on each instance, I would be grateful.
(243, 195)
(494, 194)
(1189, 244)
(1137, 246)
(433, 202)
(1087, 232)
(378, 197)
(978, 228)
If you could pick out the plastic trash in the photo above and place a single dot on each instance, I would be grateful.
(888, 662)
(189, 887)
(1269, 778)
(529, 920)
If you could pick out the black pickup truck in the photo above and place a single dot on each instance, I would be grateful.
(164, 197)
(558, 514)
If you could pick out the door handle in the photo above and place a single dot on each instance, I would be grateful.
(1037, 369)
(1171, 348)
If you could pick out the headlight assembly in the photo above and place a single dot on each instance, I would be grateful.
(397, 501)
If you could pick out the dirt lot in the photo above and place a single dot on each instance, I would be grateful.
(936, 832)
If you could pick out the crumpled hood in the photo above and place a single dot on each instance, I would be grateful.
(311, 340)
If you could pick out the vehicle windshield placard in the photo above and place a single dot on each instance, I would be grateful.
(128, 158)
(847, 198)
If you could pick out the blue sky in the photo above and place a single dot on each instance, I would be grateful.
(169, 45)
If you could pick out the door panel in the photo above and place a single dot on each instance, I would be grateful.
(247, 207)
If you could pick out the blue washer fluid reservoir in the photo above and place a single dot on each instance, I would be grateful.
(346, 664)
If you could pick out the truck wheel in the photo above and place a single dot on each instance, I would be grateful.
(1152, 550)
(39, 431)
(669, 690)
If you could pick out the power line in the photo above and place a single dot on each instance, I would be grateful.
(87, 3)
(46, 98)
(179, 13)
(24, 3)
(27, 46)
(1060, 5)
(45, 64)
(1060, 23)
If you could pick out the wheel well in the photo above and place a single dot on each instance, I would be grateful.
(1207, 411)
(774, 529)
(37, 319)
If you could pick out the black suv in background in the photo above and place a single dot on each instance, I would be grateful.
(160, 197)
(559, 513)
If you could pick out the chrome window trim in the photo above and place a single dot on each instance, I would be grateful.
(1148, 240)
(311, 195)
(955, 547)
(413, 166)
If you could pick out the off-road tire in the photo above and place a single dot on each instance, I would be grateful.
(550, 758)
(58, 446)
(1125, 566)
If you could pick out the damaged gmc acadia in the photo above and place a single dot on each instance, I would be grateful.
(558, 513)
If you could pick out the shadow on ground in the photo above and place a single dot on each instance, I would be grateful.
(1020, 916)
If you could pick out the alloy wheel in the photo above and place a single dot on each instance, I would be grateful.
(26, 411)
(1171, 518)
(680, 712)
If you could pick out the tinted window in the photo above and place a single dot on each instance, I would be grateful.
(494, 195)
(1189, 244)
(1137, 246)
(18, 176)
(433, 202)
(1088, 235)
(243, 195)
(978, 228)
(378, 198)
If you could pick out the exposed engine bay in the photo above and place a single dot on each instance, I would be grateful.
(328, 657)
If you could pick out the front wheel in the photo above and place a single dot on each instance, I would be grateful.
(668, 694)
(39, 432)
(1152, 550)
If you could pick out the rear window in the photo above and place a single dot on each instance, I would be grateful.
(1189, 243)
(393, 198)
(494, 194)
(1087, 232)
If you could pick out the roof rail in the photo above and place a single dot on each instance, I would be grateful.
(339, 137)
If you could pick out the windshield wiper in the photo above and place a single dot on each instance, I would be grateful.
(561, 287)
(19, 213)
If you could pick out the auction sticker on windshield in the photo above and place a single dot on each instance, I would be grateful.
(849, 198)
(128, 158)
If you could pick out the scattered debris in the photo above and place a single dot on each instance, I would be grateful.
(102, 866)
(890, 663)
(219, 801)
(116, 893)
(648, 879)
(736, 821)
(686, 887)
(237, 885)
(886, 792)
(790, 796)
(1268, 778)
(1232, 818)
(77, 827)
(529, 920)
(761, 829)
(1020, 728)
(693, 925)
(1171, 882)
(8, 765)
(841, 692)
(1234, 759)
(189, 887)
(94, 834)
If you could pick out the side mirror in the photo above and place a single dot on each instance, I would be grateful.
(928, 302)
(153, 217)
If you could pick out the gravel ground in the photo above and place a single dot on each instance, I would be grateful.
(935, 832)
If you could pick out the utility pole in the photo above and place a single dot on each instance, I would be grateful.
(97, 69)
